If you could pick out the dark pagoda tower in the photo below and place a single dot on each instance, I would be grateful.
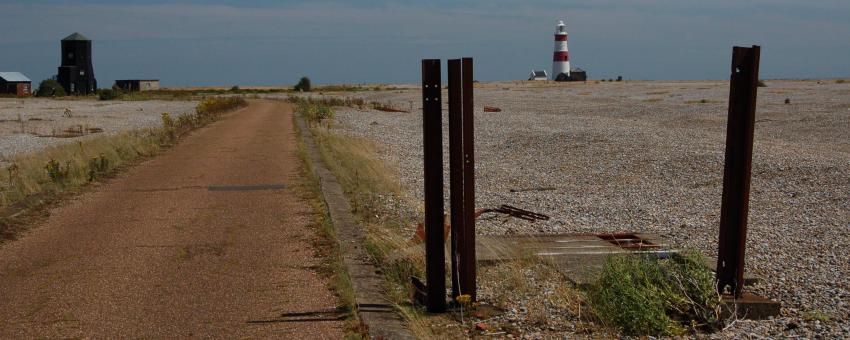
(76, 74)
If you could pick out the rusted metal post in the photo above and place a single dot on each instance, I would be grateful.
(467, 263)
(456, 169)
(432, 142)
(736, 175)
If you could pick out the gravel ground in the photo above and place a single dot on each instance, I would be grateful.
(23, 121)
(648, 156)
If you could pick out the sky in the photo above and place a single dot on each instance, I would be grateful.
(264, 42)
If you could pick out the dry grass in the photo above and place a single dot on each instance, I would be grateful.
(545, 295)
(327, 244)
(27, 174)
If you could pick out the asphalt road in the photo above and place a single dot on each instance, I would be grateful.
(207, 240)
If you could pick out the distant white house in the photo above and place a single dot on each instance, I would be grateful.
(538, 75)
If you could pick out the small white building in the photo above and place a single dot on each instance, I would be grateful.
(538, 75)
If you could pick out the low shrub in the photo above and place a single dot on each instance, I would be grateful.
(642, 295)
(761, 83)
(169, 130)
(212, 107)
(57, 173)
(50, 88)
(317, 113)
(328, 101)
(840, 81)
(108, 94)
(303, 85)
(98, 166)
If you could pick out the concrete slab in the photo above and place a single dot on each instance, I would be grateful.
(750, 307)
(577, 256)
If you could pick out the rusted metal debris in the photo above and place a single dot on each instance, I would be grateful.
(491, 109)
(419, 235)
(419, 293)
(516, 212)
(386, 108)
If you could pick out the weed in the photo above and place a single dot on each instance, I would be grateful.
(840, 81)
(317, 113)
(648, 296)
(761, 83)
(300, 102)
(97, 166)
(210, 108)
(14, 174)
(816, 315)
(57, 173)
(168, 127)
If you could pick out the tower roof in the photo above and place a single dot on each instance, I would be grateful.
(76, 37)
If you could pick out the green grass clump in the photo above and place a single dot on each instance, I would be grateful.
(648, 296)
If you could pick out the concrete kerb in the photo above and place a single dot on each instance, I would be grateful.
(372, 306)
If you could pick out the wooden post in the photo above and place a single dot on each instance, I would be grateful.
(737, 171)
(432, 142)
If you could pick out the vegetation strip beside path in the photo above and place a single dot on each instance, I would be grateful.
(373, 307)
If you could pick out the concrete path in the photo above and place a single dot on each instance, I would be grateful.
(202, 241)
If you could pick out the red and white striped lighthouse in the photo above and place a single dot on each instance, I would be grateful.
(561, 58)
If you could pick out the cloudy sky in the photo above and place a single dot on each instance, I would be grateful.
(264, 42)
